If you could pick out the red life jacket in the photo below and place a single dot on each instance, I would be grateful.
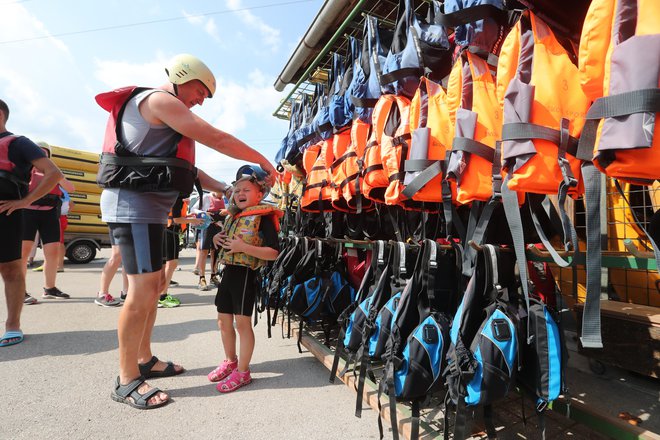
(120, 168)
(53, 198)
(8, 170)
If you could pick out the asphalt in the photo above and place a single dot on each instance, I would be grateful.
(57, 383)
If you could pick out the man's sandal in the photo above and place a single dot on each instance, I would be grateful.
(148, 373)
(124, 394)
(223, 370)
(234, 381)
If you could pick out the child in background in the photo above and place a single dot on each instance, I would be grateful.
(248, 240)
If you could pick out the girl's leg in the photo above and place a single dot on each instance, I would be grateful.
(226, 326)
(245, 332)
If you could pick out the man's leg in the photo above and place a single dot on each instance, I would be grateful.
(51, 255)
(109, 270)
(13, 268)
(138, 313)
(13, 276)
(170, 267)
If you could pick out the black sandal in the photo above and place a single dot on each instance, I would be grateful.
(146, 369)
(123, 394)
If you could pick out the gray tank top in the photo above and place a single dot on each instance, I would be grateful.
(119, 205)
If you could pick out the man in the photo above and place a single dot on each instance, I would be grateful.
(18, 155)
(147, 161)
(43, 216)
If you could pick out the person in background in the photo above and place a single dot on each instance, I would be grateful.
(248, 240)
(212, 204)
(103, 296)
(178, 220)
(67, 204)
(18, 156)
(155, 125)
(33, 252)
(43, 216)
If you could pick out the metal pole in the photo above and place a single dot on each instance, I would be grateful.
(338, 33)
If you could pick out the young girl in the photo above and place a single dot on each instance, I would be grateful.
(249, 240)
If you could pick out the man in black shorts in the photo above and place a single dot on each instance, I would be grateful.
(212, 204)
(18, 155)
(171, 247)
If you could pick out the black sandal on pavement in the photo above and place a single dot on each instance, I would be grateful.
(148, 373)
(123, 394)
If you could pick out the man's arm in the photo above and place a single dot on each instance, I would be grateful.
(67, 185)
(209, 183)
(52, 175)
(175, 114)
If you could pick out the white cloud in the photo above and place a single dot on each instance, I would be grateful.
(38, 79)
(121, 73)
(270, 36)
(206, 23)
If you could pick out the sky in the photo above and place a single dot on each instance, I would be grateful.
(55, 56)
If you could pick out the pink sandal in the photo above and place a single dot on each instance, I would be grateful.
(234, 381)
(223, 370)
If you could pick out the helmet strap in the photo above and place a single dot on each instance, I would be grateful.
(176, 89)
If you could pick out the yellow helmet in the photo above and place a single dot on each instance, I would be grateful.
(185, 67)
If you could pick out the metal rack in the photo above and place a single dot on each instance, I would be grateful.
(317, 70)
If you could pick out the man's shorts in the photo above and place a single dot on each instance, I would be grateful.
(208, 234)
(46, 222)
(237, 291)
(140, 245)
(171, 246)
(11, 228)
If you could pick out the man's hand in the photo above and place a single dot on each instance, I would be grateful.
(272, 172)
(9, 206)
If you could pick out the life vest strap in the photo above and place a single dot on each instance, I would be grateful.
(516, 131)
(400, 74)
(397, 176)
(364, 102)
(637, 101)
(427, 173)
(378, 166)
(7, 175)
(136, 161)
(306, 138)
(339, 161)
(472, 15)
(475, 147)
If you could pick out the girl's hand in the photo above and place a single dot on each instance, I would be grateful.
(9, 206)
(235, 245)
(219, 239)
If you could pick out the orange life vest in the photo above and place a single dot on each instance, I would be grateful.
(543, 109)
(478, 127)
(385, 127)
(432, 134)
(620, 71)
(340, 145)
(352, 169)
(317, 192)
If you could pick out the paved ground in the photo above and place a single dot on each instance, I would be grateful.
(57, 383)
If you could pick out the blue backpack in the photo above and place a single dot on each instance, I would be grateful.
(352, 321)
(418, 344)
(482, 361)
